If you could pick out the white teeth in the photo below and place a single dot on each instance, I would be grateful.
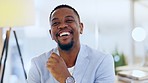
(64, 34)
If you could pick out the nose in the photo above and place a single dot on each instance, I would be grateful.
(63, 25)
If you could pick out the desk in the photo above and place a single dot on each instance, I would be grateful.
(117, 81)
(130, 81)
(134, 67)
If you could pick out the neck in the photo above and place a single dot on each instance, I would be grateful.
(70, 55)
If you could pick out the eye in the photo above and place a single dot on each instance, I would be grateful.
(55, 23)
(69, 21)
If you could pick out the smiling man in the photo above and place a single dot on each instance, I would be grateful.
(70, 61)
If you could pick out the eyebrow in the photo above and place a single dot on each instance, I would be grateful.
(70, 17)
(65, 17)
(54, 19)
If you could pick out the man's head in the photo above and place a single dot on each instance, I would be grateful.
(65, 27)
(63, 6)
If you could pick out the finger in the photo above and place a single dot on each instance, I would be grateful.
(54, 56)
(51, 64)
(52, 60)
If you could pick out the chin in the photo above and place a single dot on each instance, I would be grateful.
(66, 46)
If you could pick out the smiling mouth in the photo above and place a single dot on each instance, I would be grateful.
(64, 34)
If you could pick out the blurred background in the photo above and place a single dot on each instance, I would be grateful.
(109, 26)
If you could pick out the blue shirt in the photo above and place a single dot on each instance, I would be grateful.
(91, 66)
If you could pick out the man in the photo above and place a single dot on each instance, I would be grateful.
(70, 62)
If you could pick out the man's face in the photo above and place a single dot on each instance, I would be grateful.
(65, 28)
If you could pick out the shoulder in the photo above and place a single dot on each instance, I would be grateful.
(96, 56)
(42, 58)
(38, 68)
(93, 53)
(38, 63)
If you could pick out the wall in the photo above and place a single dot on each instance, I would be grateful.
(0, 40)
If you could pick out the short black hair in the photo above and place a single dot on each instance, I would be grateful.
(64, 6)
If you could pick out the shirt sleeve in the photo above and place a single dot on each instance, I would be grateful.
(106, 73)
(33, 75)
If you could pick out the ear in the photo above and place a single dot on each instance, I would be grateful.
(81, 28)
(50, 34)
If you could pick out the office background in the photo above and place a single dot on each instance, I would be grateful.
(108, 25)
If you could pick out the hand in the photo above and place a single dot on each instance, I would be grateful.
(57, 68)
